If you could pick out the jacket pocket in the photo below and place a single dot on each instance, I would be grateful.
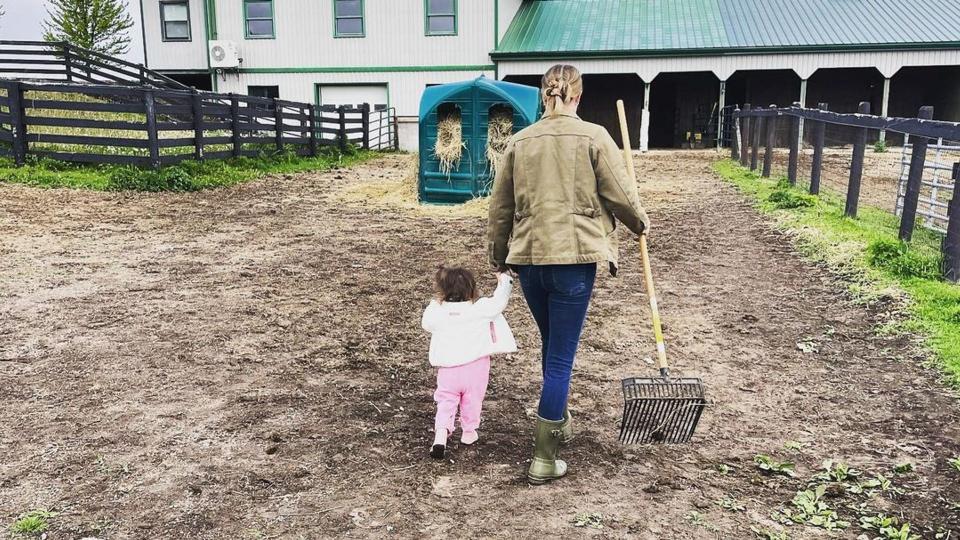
(588, 212)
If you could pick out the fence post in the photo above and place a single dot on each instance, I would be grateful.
(235, 123)
(18, 127)
(365, 108)
(915, 181)
(771, 125)
(755, 142)
(312, 109)
(196, 102)
(856, 165)
(795, 137)
(737, 127)
(745, 135)
(67, 61)
(816, 167)
(153, 137)
(951, 244)
(342, 134)
(278, 124)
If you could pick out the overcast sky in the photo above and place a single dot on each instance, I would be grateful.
(24, 20)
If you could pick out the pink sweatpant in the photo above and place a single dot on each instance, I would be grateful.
(462, 386)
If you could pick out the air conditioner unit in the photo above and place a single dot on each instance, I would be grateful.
(224, 54)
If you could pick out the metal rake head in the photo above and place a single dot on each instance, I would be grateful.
(661, 410)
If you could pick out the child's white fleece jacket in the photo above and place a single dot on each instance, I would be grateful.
(462, 332)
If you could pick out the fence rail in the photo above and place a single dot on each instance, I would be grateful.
(61, 61)
(149, 126)
(920, 179)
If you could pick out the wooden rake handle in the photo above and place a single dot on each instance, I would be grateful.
(644, 256)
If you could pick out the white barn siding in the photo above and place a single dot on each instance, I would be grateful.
(174, 55)
(394, 36)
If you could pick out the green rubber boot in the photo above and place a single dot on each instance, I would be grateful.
(545, 465)
(566, 431)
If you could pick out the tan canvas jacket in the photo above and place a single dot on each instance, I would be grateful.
(559, 186)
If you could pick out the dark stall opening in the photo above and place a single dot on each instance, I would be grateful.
(683, 110)
(599, 101)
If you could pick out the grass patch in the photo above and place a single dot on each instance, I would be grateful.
(868, 253)
(34, 522)
(186, 176)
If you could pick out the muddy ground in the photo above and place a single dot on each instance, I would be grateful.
(248, 363)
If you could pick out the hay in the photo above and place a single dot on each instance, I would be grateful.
(450, 144)
(499, 131)
(400, 194)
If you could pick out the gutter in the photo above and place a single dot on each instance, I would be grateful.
(723, 51)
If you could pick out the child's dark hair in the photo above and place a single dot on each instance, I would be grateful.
(455, 284)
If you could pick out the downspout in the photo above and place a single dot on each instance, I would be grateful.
(210, 32)
(143, 34)
(496, 38)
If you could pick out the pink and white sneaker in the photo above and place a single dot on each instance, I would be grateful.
(469, 437)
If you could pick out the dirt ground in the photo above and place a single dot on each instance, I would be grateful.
(248, 363)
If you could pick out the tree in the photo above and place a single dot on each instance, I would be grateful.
(100, 25)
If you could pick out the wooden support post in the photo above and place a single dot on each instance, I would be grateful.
(720, 106)
(312, 111)
(885, 105)
(153, 137)
(856, 165)
(196, 102)
(816, 167)
(771, 125)
(365, 111)
(278, 125)
(756, 127)
(795, 137)
(803, 103)
(645, 119)
(915, 180)
(18, 126)
(68, 61)
(734, 136)
(745, 124)
(342, 134)
(235, 124)
(951, 244)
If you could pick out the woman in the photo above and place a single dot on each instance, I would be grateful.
(551, 220)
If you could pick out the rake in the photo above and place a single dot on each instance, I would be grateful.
(657, 409)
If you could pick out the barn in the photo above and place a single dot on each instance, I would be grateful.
(677, 64)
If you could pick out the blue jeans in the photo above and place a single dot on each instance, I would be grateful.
(558, 297)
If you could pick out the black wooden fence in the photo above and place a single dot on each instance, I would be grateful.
(149, 126)
(758, 127)
(61, 61)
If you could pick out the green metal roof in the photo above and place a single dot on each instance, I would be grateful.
(687, 27)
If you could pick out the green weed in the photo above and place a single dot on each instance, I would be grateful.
(768, 465)
(33, 522)
(729, 503)
(888, 528)
(903, 468)
(785, 197)
(836, 471)
(770, 534)
(594, 520)
(809, 508)
(880, 147)
(955, 463)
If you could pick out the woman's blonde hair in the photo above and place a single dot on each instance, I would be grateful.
(560, 85)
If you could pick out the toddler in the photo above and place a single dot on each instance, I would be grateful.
(465, 330)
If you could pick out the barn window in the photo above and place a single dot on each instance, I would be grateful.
(175, 20)
(348, 18)
(258, 19)
(441, 17)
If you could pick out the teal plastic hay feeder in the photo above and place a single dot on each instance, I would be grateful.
(474, 100)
